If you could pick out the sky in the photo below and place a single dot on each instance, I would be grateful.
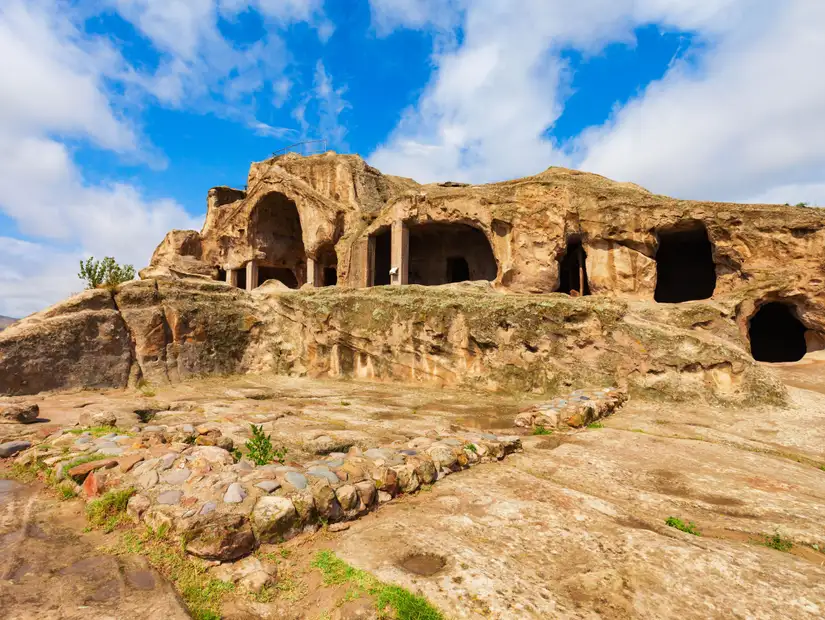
(117, 116)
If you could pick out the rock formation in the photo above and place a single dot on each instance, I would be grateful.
(580, 282)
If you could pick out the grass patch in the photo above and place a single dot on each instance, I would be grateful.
(540, 430)
(471, 447)
(777, 542)
(595, 425)
(345, 403)
(201, 593)
(108, 511)
(390, 601)
(689, 528)
(66, 492)
(97, 431)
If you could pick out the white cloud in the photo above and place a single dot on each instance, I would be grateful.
(745, 123)
(55, 84)
(749, 124)
(63, 87)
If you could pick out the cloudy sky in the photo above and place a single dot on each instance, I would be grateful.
(117, 116)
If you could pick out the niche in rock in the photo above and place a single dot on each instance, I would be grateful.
(442, 253)
(278, 240)
(282, 274)
(684, 264)
(327, 266)
(381, 257)
(776, 335)
(573, 270)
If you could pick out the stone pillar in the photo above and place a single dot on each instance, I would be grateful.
(232, 277)
(368, 258)
(312, 272)
(400, 252)
(251, 275)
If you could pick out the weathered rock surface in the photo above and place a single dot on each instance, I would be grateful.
(457, 335)
(20, 413)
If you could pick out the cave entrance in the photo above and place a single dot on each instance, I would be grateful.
(240, 277)
(776, 334)
(282, 274)
(573, 269)
(277, 238)
(457, 269)
(381, 261)
(327, 266)
(447, 253)
(684, 265)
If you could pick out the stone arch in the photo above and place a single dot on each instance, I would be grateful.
(685, 269)
(445, 252)
(277, 239)
(776, 334)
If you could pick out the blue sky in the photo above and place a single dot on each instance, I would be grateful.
(119, 115)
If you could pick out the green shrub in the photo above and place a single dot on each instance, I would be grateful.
(777, 542)
(105, 272)
(260, 450)
(540, 430)
(689, 527)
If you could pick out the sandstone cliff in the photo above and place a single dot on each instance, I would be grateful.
(458, 335)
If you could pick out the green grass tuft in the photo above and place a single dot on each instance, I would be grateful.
(595, 425)
(402, 603)
(96, 431)
(108, 511)
(680, 525)
(540, 430)
(777, 542)
(201, 592)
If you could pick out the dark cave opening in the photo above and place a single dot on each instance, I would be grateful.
(684, 265)
(573, 270)
(776, 335)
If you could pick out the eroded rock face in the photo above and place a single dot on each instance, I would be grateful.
(327, 218)
(166, 331)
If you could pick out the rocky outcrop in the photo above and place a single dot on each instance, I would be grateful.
(458, 335)
(342, 203)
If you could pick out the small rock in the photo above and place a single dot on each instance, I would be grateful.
(296, 479)
(138, 504)
(208, 508)
(384, 497)
(167, 461)
(273, 518)
(81, 470)
(323, 472)
(19, 413)
(128, 462)
(366, 493)
(188, 428)
(347, 496)
(235, 494)
(338, 527)
(225, 443)
(176, 476)
(91, 486)
(170, 498)
(148, 479)
(225, 538)
(268, 485)
(103, 418)
(10, 448)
